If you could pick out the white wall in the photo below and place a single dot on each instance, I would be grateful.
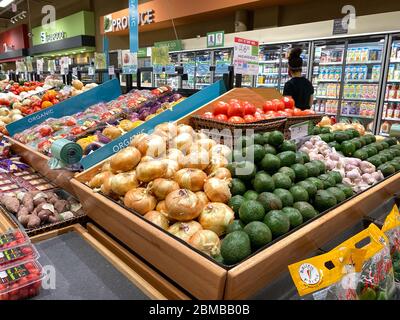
(376, 23)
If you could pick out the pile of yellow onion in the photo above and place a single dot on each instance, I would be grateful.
(177, 179)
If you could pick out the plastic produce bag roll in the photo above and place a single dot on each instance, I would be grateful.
(66, 151)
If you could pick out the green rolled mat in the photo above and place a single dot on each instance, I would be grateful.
(66, 151)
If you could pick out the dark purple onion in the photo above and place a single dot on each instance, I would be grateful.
(102, 138)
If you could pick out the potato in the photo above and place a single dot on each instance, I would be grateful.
(24, 220)
(23, 211)
(54, 218)
(61, 206)
(39, 201)
(27, 202)
(33, 222)
(44, 215)
(11, 203)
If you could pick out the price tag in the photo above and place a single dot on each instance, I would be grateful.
(91, 71)
(75, 71)
(111, 70)
(300, 130)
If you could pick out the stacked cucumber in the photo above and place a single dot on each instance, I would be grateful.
(275, 189)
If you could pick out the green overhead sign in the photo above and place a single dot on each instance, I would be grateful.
(173, 45)
(81, 23)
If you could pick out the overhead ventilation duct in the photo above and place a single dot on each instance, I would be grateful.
(241, 20)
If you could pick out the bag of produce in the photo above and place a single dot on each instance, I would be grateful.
(391, 228)
(376, 281)
(331, 276)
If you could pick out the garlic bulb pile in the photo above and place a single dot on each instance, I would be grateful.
(176, 178)
(359, 175)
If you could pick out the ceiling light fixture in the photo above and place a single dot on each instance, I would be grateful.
(5, 3)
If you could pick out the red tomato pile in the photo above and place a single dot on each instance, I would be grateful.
(16, 88)
(236, 111)
(27, 286)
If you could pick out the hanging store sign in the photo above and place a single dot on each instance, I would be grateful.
(133, 26)
(173, 45)
(51, 37)
(215, 39)
(119, 21)
(129, 62)
(245, 58)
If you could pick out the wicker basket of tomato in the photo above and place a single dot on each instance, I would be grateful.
(237, 116)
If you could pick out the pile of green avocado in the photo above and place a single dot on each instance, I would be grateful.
(384, 155)
(280, 190)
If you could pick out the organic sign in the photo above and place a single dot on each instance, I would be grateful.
(245, 58)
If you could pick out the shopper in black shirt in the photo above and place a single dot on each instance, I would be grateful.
(299, 88)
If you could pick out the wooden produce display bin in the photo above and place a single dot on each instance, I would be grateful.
(39, 162)
(205, 279)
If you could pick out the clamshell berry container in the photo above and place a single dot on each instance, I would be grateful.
(17, 255)
(12, 239)
(22, 281)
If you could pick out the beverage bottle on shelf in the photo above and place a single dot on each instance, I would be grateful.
(385, 109)
(396, 114)
(396, 92)
(390, 111)
(392, 92)
(393, 53)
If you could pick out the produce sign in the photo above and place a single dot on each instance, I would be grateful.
(236, 111)
(245, 57)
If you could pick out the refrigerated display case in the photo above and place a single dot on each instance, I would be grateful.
(224, 57)
(362, 77)
(203, 72)
(284, 69)
(391, 107)
(274, 64)
(327, 76)
(188, 61)
(166, 78)
(269, 68)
